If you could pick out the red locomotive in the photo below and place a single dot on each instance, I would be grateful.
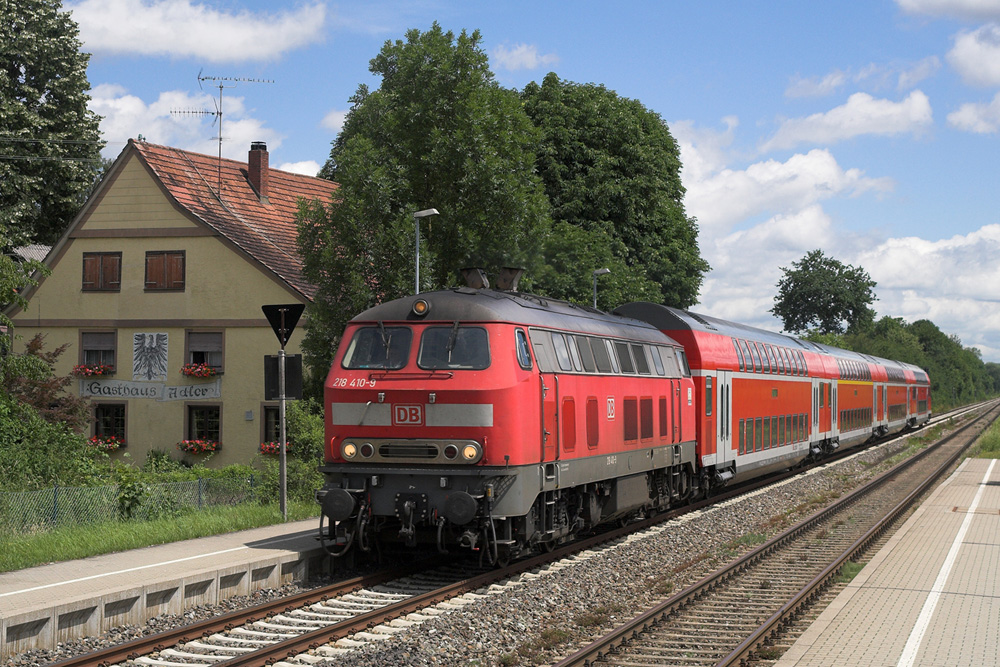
(504, 422)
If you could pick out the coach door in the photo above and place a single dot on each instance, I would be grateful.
(816, 386)
(550, 416)
(724, 412)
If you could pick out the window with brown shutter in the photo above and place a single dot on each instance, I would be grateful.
(102, 271)
(204, 347)
(165, 270)
(98, 347)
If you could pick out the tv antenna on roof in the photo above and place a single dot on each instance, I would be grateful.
(222, 82)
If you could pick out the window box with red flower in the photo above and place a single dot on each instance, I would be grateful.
(199, 370)
(92, 370)
(273, 447)
(198, 446)
(106, 443)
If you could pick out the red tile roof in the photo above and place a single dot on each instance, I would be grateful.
(265, 230)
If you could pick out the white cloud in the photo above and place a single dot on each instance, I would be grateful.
(978, 118)
(185, 28)
(305, 167)
(520, 56)
(953, 282)
(334, 120)
(125, 116)
(815, 86)
(861, 115)
(911, 76)
(964, 9)
(976, 55)
(729, 196)
(900, 75)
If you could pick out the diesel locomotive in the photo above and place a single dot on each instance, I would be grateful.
(504, 422)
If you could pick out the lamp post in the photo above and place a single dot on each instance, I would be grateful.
(416, 225)
(598, 272)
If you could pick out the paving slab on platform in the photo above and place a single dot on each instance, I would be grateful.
(931, 596)
(43, 605)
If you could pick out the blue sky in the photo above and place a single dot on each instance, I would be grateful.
(870, 129)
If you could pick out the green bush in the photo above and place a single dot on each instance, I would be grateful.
(36, 454)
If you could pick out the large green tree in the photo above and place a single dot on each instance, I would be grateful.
(612, 170)
(49, 140)
(438, 133)
(824, 294)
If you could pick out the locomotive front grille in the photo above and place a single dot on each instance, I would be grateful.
(402, 450)
(461, 452)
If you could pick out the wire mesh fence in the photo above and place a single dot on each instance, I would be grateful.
(32, 512)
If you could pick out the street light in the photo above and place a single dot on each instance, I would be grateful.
(416, 224)
(598, 272)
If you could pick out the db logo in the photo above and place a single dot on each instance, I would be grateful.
(407, 415)
(611, 408)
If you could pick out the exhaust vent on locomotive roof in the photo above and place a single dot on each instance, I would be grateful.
(475, 278)
(509, 278)
(507, 281)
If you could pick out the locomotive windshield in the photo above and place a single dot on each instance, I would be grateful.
(454, 347)
(379, 347)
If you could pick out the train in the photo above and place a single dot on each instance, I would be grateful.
(487, 419)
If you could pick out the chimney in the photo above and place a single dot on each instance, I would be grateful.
(257, 169)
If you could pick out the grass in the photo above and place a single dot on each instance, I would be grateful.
(988, 444)
(81, 541)
(849, 571)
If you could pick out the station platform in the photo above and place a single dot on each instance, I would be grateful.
(42, 606)
(930, 596)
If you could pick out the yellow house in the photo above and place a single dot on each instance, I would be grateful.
(157, 287)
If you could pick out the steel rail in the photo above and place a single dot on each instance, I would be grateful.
(629, 630)
(767, 629)
(145, 645)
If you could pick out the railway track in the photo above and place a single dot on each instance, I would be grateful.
(734, 615)
(326, 622)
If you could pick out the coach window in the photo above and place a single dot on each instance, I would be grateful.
(657, 360)
(739, 354)
(783, 363)
(682, 362)
(521, 343)
(757, 434)
(586, 354)
(708, 396)
(639, 355)
(562, 352)
(574, 353)
(742, 448)
(749, 436)
(624, 358)
(755, 354)
(601, 357)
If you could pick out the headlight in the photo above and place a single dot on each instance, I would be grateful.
(451, 452)
(367, 450)
(470, 452)
(350, 450)
(421, 307)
